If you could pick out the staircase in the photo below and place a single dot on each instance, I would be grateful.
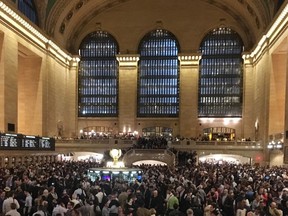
(162, 155)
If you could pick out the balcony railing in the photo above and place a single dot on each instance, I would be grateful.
(163, 155)
(182, 144)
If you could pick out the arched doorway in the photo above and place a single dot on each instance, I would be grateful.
(225, 158)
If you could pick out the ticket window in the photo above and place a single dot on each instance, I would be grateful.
(129, 176)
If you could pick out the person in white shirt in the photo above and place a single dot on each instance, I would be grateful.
(13, 211)
(28, 203)
(7, 202)
(100, 196)
(274, 211)
(59, 209)
(75, 199)
(40, 211)
(85, 183)
(80, 192)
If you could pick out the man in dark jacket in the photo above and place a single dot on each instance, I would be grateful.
(157, 202)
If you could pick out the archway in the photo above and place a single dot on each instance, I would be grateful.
(225, 158)
(149, 162)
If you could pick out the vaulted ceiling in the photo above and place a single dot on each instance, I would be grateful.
(69, 21)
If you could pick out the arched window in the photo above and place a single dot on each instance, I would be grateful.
(98, 76)
(27, 7)
(220, 79)
(158, 75)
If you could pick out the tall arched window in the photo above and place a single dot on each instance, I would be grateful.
(158, 75)
(220, 79)
(98, 76)
(27, 7)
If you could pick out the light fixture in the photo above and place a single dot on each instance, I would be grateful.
(275, 145)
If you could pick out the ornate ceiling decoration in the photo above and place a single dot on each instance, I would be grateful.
(67, 18)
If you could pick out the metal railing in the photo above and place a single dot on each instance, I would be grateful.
(163, 155)
(123, 143)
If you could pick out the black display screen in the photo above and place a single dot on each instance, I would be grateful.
(30, 142)
(22, 142)
(10, 141)
(46, 143)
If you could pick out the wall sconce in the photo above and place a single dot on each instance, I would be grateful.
(275, 145)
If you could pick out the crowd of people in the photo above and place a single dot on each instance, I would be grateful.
(157, 142)
(182, 157)
(64, 189)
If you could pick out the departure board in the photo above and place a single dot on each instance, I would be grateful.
(30, 142)
(10, 141)
(24, 142)
(46, 143)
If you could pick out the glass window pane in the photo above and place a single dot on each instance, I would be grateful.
(221, 79)
(98, 76)
(158, 86)
(27, 7)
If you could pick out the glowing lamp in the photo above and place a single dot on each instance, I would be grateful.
(115, 154)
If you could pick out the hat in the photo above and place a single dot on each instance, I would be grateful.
(7, 189)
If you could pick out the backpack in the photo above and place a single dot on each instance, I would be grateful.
(82, 196)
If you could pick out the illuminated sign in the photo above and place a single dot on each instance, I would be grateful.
(23, 142)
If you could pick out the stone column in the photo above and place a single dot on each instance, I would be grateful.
(127, 92)
(285, 138)
(10, 161)
(2, 162)
(189, 76)
(55, 158)
(8, 81)
(250, 126)
(48, 158)
(71, 129)
(34, 159)
(39, 159)
(22, 158)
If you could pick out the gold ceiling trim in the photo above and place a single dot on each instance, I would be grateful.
(12, 19)
(272, 34)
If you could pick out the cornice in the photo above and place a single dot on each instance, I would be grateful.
(24, 29)
(192, 59)
(270, 37)
(128, 60)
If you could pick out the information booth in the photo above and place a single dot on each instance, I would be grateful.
(115, 170)
(123, 174)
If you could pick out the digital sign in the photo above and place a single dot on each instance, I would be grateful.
(24, 142)
(29, 142)
(45, 143)
(10, 141)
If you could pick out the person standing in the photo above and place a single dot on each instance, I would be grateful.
(40, 212)
(59, 209)
(157, 203)
(171, 200)
(7, 202)
(28, 204)
(273, 210)
(13, 211)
